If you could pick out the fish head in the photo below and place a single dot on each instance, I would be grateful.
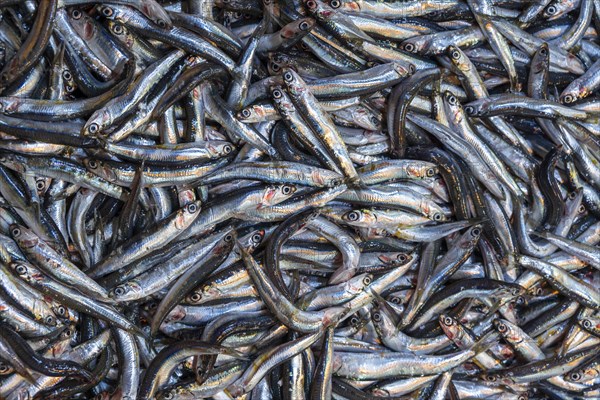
(252, 113)
(83, 24)
(358, 217)
(357, 284)
(497, 377)
(23, 236)
(297, 28)
(275, 194)
(157, 14)
(293, 83)
(14, 162)
(414, 45)
(383, 321)
(101, 169)
(507, 331)
(121, 32)
(450, 327)
(10, 105)
(125, 291)
(97, 123)
(574, 92)
(220, 148)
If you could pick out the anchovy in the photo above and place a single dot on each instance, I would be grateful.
(316, 199)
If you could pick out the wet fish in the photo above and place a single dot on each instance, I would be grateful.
(299, 199)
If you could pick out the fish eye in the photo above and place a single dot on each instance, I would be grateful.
(586, 323)
(246, 113)
(49, 320)
(67, 75)
(76, 14)
(568, 99)
(195, 297)
(192, 208)
(228, 237)
(476, 232)
(430, 172)
(117, 29)
(119, 291)
(452, 100)
(409, 47)
(21, 269)
(311, 4)
(70, 88)
(367, 280)
(288, 77)
(335, 4)
(353, 216)
(61, 310)
(286, 189)
(40, 184)
(257, 238)
(277, 94)
(376, 317)
(4, 369)
(402, 258)
(551, 10)
(354, 321)
(227, 149)
(490, 378)
(92, 164)
(501, 327)
(516, 291)
(304, 26)
(455, 55)
(93, 128)
(275, 67)
(167, 395)
(469, 110)
(412, 69)
(575, 376)
(581, 209)
(395, 300)
(438, 217)
(161, 23)
(543, 51)
(16, 232)
(107, 11)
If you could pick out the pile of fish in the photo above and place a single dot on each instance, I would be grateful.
(299, 199)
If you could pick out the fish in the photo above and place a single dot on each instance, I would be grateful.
(299, 199)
